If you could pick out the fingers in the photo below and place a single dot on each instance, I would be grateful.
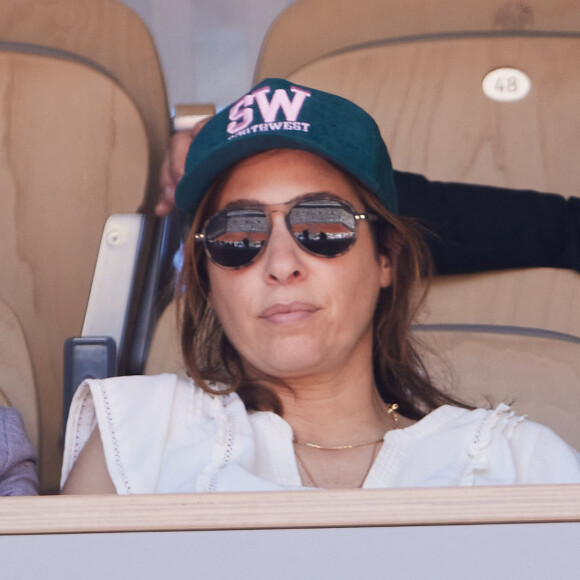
(165, 205)
(173, 166)
(166, 201)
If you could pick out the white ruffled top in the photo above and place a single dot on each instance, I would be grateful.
(164, 434)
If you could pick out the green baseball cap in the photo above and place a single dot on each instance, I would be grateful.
(279, 114)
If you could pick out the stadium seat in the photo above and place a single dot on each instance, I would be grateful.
(535, 371)
(112, 38)
(85, 123)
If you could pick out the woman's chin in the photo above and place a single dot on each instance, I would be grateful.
(288, 366)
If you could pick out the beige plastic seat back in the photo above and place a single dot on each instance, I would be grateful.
(112, 37)
(537, 373)
(165, 353)
(83, 112)
(418, 68)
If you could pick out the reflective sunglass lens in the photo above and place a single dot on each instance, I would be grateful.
(234, 238)
(323, 227)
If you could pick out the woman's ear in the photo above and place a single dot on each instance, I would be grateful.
(386, 275)
(388, 259)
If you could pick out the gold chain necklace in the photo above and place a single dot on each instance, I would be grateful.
(313, 481)
(391, 411)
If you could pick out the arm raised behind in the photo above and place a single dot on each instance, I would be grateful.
(173, 166)
(475, 228)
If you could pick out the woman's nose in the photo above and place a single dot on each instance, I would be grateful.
(282, 260)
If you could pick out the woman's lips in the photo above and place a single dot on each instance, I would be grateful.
(287, 313)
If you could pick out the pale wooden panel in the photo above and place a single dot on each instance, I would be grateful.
(294, 509)
(112, 36)
(17, 386)
(537, 376)
(310, 29)
(74, 150)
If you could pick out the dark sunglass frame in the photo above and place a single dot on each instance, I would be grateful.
(243, 252)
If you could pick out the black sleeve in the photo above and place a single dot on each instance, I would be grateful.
(477, 228)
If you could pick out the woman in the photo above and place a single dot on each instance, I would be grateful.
(299, 283)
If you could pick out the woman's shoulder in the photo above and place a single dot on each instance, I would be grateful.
(142, 382)
(139, 417)
(138, 400)
(479, 429)
(452, 418)
(505, 446)
(503, 420)
(150, 388)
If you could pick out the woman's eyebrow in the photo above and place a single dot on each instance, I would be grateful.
(311, 194)
(243, 203)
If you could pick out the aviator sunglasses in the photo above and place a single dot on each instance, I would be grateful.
(321, 224)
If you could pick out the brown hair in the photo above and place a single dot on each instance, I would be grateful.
(209, 356)
(399, 373)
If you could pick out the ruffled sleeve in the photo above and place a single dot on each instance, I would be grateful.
(508, 448)
(134, 416)
(160, 434)
(548, 459)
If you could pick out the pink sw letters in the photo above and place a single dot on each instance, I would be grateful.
(242, 113)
